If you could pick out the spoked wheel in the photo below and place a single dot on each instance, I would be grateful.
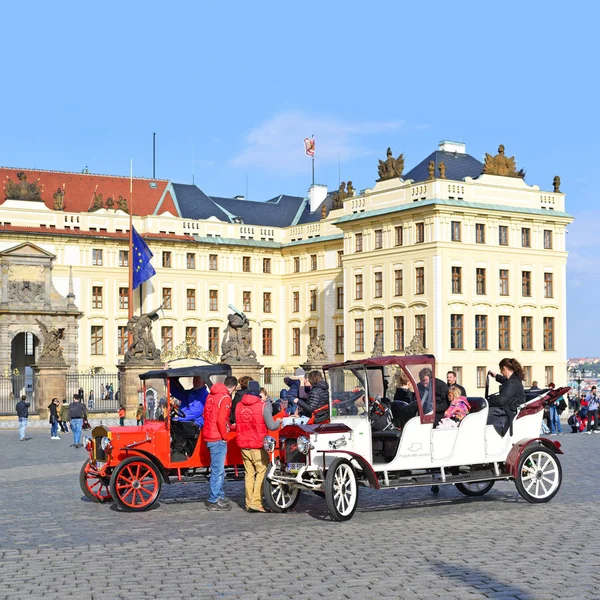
(135, 484)
(475, 488)
(341, 490)
(279, 497)
(93, 486)
(539, 474)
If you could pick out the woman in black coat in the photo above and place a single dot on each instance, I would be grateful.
(318, 398)
(503, 406)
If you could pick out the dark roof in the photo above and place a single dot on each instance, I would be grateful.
(204, 371)
(458, 166)
(276, 212)
(195, 204)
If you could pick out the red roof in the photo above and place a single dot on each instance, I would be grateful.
(80, 187)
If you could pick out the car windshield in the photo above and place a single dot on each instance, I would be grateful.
(347, 391)
(422, 377)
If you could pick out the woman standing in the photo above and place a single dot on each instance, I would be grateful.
(63, 416)
(53, 418)
(503, 406)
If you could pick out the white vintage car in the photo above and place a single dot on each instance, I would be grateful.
(335, 459)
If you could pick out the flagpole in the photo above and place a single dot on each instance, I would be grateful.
(131, 258)
(313, 162)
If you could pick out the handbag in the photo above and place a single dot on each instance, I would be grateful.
(86, 424)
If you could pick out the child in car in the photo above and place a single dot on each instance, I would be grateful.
(457, 411)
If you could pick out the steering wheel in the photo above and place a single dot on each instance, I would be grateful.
(349, 400)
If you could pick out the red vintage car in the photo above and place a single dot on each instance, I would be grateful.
(129, 465)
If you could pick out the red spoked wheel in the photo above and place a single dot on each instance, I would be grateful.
(93, 485)
(135, 484)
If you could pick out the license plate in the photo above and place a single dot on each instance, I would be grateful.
(294, 467)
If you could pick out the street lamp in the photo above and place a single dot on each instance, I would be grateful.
(578, 375)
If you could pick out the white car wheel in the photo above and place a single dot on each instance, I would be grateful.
(341, 490)
(475, 488)
(539, 474)
(280, 497)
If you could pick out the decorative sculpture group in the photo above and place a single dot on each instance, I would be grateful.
(142, 346)
(315, 351)
(390, 167)
(415, 348)
(51, 348)
(501, 165)
(59, 198)
(21, 190)
(344, 191)
(556, 184)
(237, 339)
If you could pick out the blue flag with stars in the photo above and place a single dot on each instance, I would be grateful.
(140, 262)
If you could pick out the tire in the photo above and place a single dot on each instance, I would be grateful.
(94, 487)
(341, 490)
(475, 488)
(279, 497)
(135, 484)
(539, 474)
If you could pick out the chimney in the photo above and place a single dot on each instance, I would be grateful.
(316, 194)
(239, 197)
(448, 146)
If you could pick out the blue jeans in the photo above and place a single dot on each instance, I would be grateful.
(218, 451)
(22, 427)
(54, 429)
(76, 425)
(555, 424)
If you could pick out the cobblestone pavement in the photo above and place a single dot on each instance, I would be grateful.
(400, 544)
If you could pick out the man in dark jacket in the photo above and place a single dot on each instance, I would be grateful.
(425, 392)
(23, 414)
(77, 412)
(185, 428)
(451, 379)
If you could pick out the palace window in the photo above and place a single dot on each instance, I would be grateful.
(548, 376)
(378, 329)
(358, 241)
(213, 340)
(312, 333)
(458, 371)
(246, 301)
(167, 297)
(213, 300)
(547, 239)
(266, 265)
(526, 283)
(213, 262)
(97, 257)
(528, 378)
(313, 299)
(339, 339)
(359, 335)
(479, 233)
(191, 299)
(548, 288)
(123, 258)
(398, 282)
(481, 376)
(166, 260)
(29, 344)
(480, 332)
(548, 333)
(246, 264)
(191, 335)
(358, 279)
(378, 291)
(378, 239)
(122, 340)
(267, 342)
(340, 297)
(457, 280)
(503, 333)
(456, 332)
(190, 260)
(313, 262)
(398, 334)
(295, 301)
(420, 280)
(480, 274)
(455, 231)
(97, 337)
(96, 296)
(420, 329)
(526, 237)
(398, 235)
(296, 340)
(340, 255)
(503, 235)
(268, 375)
(267, 302)
(166, 336)
(123, 298)
(526, 333)
(296, 264)
(420, 229)
(503, 281)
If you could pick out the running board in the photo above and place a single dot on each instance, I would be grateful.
(427, 479)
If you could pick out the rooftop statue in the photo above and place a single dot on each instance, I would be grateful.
(142, 343)
(431, 169)
(237, 339)
(323, 211)
(59, 198)
(110, 202)
(315, 351)
(339, 196)
(442, 168)
(122, 205)
(22, 190)
(97, 204)
(391, 167)
(501, 165)
(51, 348)
(556, 183)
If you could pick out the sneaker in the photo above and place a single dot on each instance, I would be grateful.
(589, 432)
(215, 506)
(55, 437)
(224, 500)
(258, 509)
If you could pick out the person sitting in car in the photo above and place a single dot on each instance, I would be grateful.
(318, 398)
(405, 413)
(459, 408)
(503, 406)
(185, 426)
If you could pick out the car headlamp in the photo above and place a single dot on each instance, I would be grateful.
(105, 444)
(87, 442)
(269, 443)
(304, 445)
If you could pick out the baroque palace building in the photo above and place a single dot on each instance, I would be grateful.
(459, 255)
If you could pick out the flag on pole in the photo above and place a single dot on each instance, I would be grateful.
(309, 146)
(140, 261)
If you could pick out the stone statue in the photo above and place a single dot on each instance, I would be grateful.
(339, 196)
(22, 190)
(442, 168)
(391, 167)
(122, 205)
(51, 348)
(350, 190)
(97, 204)
(431, 169)
(323, 211)
(237, 339)
(315, 351)
(110, 202)
(415, 348)
(59, 198)
(556, 183)
(142, 346)
(501, 165)
(26, 292)
(377, 346)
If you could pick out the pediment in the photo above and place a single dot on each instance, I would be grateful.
(27, 249)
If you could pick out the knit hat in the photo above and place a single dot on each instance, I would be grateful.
(254, 388)
(283, 394)
(299, 372)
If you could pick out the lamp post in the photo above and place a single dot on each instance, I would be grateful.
(578, 375)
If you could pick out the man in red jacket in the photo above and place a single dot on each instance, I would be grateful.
(216, 428)
(253, 418)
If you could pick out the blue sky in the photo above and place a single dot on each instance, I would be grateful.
(242, 83)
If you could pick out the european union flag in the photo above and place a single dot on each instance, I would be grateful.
(140, 261)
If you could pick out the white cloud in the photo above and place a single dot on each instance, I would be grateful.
(277, 143)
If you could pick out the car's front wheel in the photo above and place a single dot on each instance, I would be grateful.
(539, 474)
(279, 497)
(341, 490)
(93, 485)
(475, 488)
(135, 484)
